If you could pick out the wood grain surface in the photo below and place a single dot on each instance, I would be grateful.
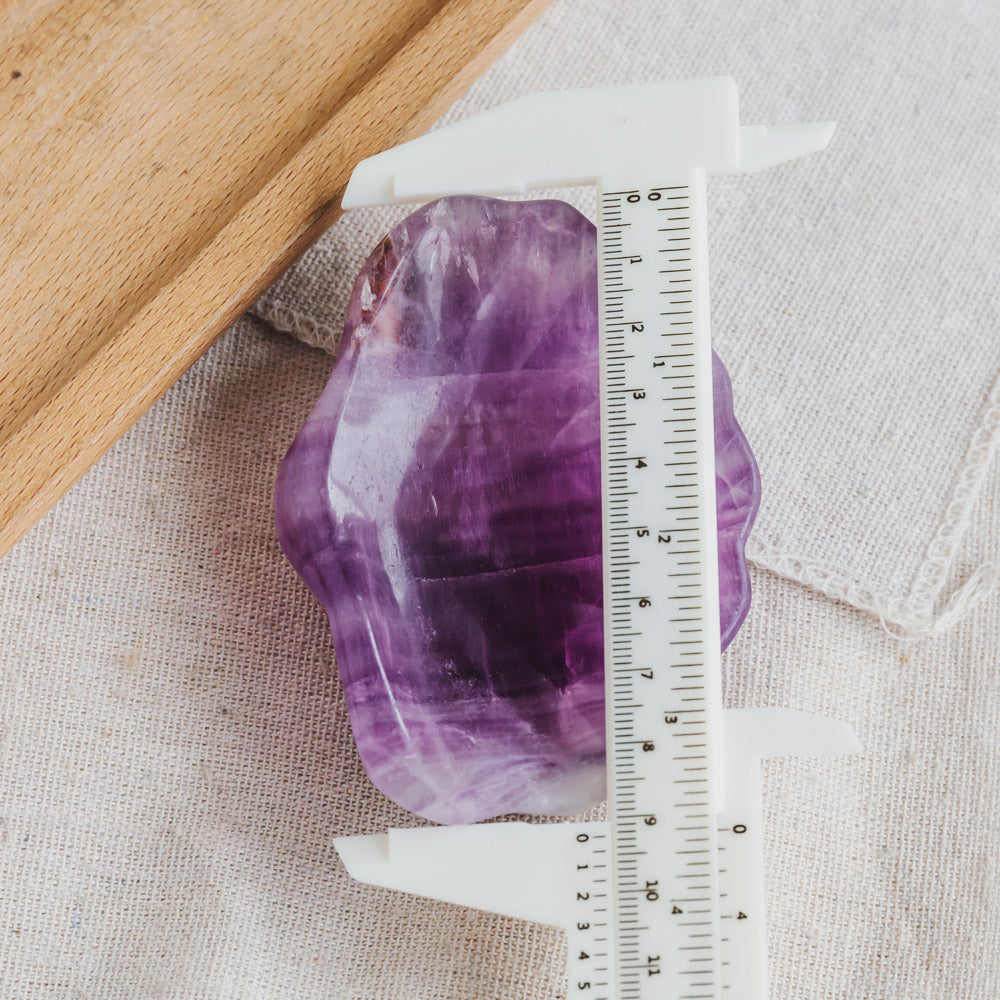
(161, 161)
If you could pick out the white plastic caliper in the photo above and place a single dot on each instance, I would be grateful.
(665, 898)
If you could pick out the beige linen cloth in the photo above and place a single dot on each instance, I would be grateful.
(176, 755)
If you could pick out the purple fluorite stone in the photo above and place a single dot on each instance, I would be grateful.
(443, 502)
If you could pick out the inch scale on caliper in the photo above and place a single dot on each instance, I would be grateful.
(662, 618)
(665, 898)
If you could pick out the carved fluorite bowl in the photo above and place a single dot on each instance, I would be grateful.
(443, 502)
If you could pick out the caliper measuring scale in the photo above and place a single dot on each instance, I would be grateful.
(665, 898)
(661, 594)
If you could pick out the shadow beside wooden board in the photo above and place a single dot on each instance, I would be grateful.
(162, 162)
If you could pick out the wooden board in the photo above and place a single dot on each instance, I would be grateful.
(161, 161)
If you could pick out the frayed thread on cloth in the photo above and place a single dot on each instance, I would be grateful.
(300, 326)
(900, 617)
(941, 552)
(922, 614)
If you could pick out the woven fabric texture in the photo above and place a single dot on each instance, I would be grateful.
(175, 754)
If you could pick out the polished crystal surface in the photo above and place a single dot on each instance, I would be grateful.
(443, 503)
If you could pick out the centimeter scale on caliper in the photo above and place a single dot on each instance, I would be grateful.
(665, 898)
(662, 620)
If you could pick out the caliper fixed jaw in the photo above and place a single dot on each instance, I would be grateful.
(572, 137)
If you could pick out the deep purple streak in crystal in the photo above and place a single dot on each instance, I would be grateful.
(443, 502)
